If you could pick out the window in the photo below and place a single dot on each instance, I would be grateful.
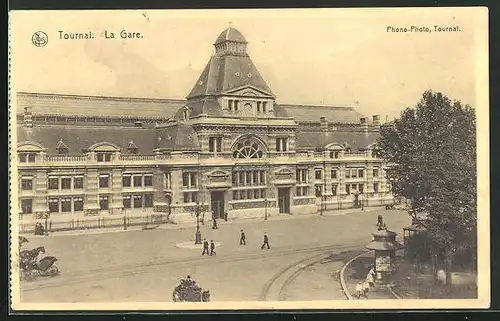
(168, 178)
(347, 173)
(248, 178)
(27, 157)
(334, 154)
(375, 172)
(185, 179)
(27, 206)
(215, 144)
(256, 193)
(235, 195)
(348, 189)
(354, 187)
(255, 178)
(317, 174)
(78, 204)
(148, 200)
(192, 177)
(53, 182)
(137, 201)
(264, 105)
(236, 103)
(319, 190)
(334, 189)
(78, 182)
(148, 180)
(189, 180)
(230, 105)
(126, 181)
(361, 172)
(334, 174)
(185, 114)
(281, 144)
(235, 178)
(104, 202)
(103, 181)
(301, 190)
(354, 173)
(258, 106)
(301, 176)
(375, 187)
(262, 178)
(361, 188)
(248, 149)
(190, 197)
(104, 157)
(66, 205)
(27, 184)
(66, 183)
(127, 201)
(53, 205)
(138, 181)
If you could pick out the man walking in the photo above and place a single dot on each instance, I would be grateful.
(205, 247)
(242, 238)
(266, 242)
(212, 248)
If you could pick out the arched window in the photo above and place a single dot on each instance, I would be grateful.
(248, 148)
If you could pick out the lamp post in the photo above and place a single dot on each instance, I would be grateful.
(197, 235)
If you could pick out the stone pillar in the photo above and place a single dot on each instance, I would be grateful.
(40, 207)
(177, 195)
(91, 186)
(159, 201)
(116, 206)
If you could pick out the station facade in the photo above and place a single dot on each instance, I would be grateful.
(229, 145)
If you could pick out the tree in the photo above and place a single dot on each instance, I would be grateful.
(432, 152)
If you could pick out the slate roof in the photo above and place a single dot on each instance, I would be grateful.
(78, 138)
(226, 73)
(331, 114)
(230, 34)
(320, 139)
(77, 105)
(176, 137)
(205, 105)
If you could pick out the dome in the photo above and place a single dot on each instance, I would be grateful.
(230, 34)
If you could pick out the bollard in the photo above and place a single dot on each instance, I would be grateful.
(124, 222)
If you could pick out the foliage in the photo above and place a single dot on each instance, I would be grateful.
(432, 152)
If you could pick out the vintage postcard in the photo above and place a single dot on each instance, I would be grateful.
(249, 159)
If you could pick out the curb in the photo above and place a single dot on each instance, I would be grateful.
(342, 279)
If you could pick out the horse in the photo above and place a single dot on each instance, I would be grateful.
(28, 257)
(362, 289)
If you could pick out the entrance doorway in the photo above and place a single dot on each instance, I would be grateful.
(217, 203)
(284, 199)
(356, 201)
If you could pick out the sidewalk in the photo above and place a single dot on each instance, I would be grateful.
(220, 222)
(355, 271)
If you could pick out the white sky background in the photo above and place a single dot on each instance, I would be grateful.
(324, 57)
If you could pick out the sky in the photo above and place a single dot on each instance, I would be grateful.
(338, 57)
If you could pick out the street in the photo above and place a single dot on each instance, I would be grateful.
(146, 265)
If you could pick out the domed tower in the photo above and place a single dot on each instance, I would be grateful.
(230, 84)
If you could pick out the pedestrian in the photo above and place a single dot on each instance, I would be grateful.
(213, 215)
(243, 238)
(215, 227)
(266, 242)
(205, 247)
(225, 216)
(370, 277)
(212, 248)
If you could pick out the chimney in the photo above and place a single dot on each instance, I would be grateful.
(323, 123)
(376, 121)
(364, 124)
(28, 117)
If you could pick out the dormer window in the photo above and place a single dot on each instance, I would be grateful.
(27, 157)
(61, 147)
(185, 113)
(132, 148)
(104, 157)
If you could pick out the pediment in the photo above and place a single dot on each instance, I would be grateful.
(249, 91)
(218, 173)
(285, 171)
(29, 146)
(104, 147)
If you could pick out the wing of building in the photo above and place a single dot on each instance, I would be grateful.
(229, 146)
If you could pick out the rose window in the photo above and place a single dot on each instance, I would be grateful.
(248, 149)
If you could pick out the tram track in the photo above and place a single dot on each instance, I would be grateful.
(289, 273)
(135, 269)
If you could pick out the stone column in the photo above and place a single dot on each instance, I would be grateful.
(159, 200)
(91, 187)
(177, 195)
(40, 207)
(116, 207)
